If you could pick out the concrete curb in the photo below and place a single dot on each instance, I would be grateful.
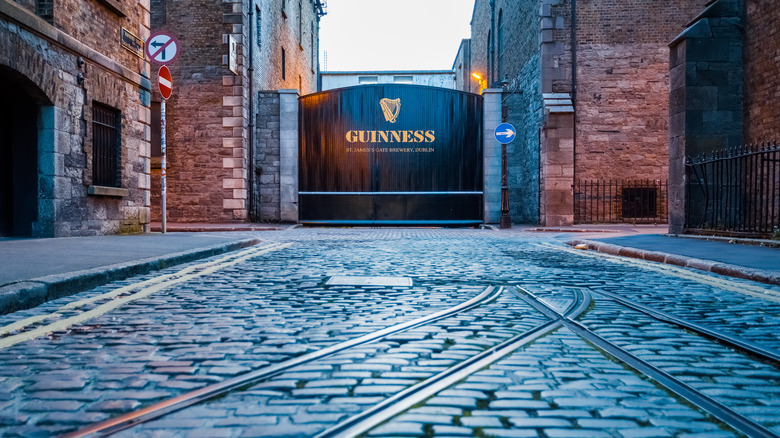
(33, 292)
(682, 261)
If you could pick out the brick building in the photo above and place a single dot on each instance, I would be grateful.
(74, 123)
(223, 120)
(586, 84)
(724, 91)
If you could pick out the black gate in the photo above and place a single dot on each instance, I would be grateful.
(391, 154)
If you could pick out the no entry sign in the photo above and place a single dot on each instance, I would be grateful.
(165, 82)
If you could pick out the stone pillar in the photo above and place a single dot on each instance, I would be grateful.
(556, 175)
(705, 102)
(491, 150)
(288, 155)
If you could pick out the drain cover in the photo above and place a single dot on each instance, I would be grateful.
(344, 280)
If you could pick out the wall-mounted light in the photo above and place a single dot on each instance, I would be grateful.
(482, 82)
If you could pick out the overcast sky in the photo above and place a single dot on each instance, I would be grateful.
(393, 34)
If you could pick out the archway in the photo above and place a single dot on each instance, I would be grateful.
(19, 128)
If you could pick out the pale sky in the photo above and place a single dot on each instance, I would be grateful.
(393, 34)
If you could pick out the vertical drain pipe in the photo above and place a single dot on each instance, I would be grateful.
(573, 42)
(251, 126)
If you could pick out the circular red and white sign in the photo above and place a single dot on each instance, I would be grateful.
(165, 82)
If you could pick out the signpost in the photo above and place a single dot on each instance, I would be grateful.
(163, 48)
(504, 134)
(166, 87)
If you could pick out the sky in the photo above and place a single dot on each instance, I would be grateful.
(393, 34)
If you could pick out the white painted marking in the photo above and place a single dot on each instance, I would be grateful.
(344, 280)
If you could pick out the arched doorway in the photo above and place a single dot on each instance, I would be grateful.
(19, 127)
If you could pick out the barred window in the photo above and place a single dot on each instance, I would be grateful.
(259, 27)
(45, 10)
(106, 151)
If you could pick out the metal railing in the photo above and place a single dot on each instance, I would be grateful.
(618, 201)
(735, 191)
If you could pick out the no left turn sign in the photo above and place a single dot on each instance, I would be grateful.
(162, 48)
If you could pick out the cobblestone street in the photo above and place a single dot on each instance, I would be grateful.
(129, 345)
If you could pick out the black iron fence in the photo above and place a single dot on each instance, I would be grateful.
(618, 201)
(735, 191)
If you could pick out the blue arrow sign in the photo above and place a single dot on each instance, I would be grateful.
(505, 133)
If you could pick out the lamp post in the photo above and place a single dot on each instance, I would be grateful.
(505, 221)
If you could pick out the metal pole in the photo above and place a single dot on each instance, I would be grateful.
(505, 221)
(163, 150)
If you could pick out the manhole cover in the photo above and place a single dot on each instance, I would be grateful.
(344, 280)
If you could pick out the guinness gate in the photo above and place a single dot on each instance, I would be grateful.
(390, 154)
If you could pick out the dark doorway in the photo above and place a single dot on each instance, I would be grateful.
(19, 115)
(391, 154)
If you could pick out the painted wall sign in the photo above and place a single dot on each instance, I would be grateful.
(390, 153)
(132, 43)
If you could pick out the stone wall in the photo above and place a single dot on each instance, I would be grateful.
(267, 157)
(70, 64)
(706, 109)
(762, 83)
(210, 120)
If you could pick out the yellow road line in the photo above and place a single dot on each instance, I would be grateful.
(63, 324)
(721, 283)
(122, 290)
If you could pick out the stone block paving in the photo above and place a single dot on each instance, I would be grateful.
(276, 307)
(559, 386)
(319, 395)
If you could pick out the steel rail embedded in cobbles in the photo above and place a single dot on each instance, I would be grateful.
(165, 407)
(718, 410)
(365, 421)
(752, 348)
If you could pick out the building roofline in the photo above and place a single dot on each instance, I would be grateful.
(386, 72)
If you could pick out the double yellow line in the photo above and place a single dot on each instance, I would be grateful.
(123, 295)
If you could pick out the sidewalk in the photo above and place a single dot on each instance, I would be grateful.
(752, 259)
(33, 271)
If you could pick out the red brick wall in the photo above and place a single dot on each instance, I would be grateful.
(623, 86)
(762, 83)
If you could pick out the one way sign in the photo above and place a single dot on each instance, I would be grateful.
(162, 48)
(505, 133)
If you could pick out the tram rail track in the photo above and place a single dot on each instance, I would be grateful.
(556, 318)
(708, 404)
(185, 400)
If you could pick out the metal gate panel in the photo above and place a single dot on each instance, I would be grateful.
(416, 159)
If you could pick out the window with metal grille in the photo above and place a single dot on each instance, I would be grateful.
(639, 202)
(45, 10)
(106, 152)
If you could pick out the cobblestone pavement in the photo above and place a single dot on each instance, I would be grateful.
(275, 305)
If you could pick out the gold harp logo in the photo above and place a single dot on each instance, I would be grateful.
(390, 108)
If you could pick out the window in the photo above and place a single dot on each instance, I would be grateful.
(403, 79)
(106, 152)
(284, 65)
(258, 22)
(489, 77)
(368, 79)
(300, 26)
(500, 45)
(313, 49)
(45, 10)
